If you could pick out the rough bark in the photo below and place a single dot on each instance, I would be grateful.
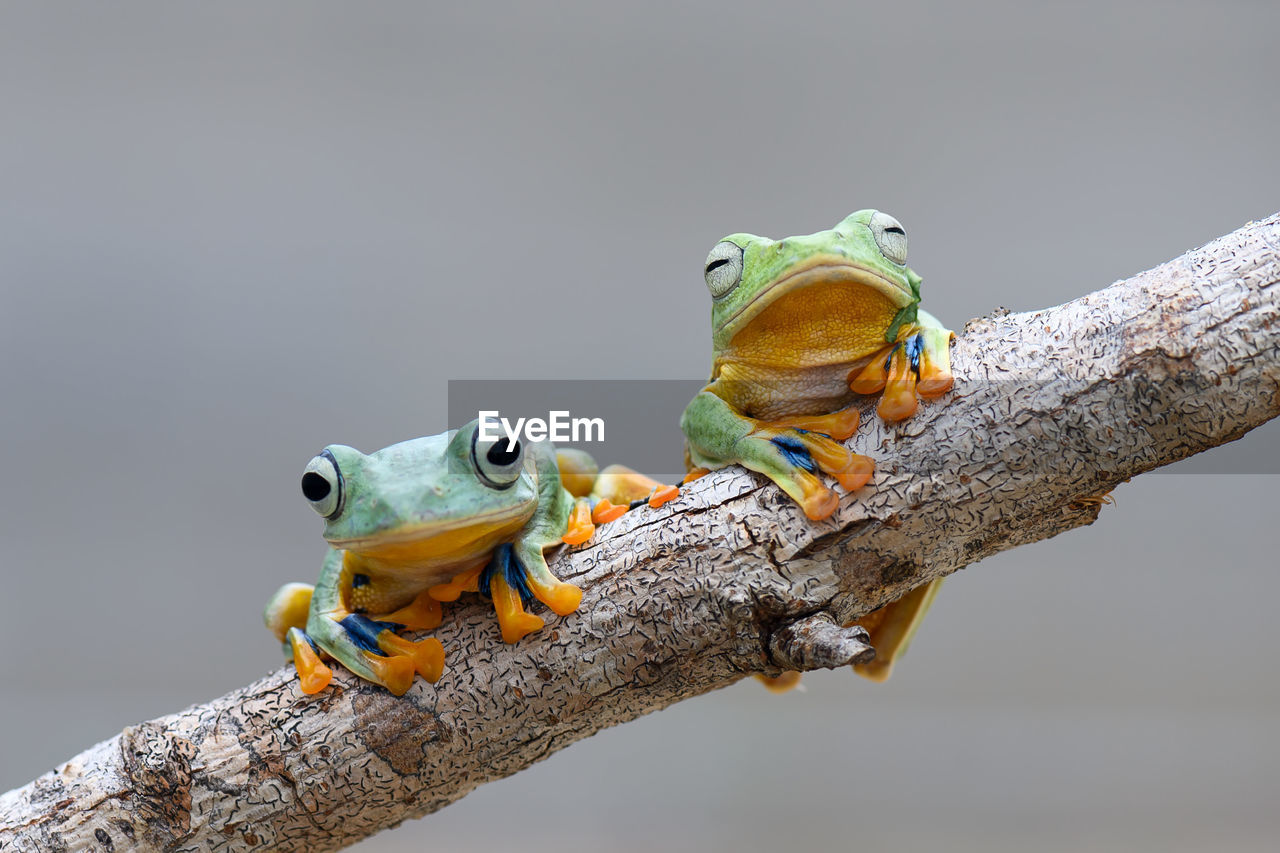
(1050, 411)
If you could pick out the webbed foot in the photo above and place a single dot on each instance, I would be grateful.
(514, 580)
(313, 675)
(373, 650)
(918, 364)
(793, 457)
(581, 525)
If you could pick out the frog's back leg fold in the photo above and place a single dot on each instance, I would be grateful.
(577, 471)
(892, 627)
(287, 609)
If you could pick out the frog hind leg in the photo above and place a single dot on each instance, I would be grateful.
(616, 490)
(628, 488)
(286, 609)
(892, 627)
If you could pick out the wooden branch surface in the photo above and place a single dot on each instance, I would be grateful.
(1051, 410)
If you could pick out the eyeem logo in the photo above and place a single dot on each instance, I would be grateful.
(559, 426)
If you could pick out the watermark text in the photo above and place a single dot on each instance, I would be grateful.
(559, 426)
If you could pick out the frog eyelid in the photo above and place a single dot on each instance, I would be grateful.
(723, 268)
(890, 237)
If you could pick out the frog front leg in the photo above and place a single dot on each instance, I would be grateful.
(789, 455)
(369, 647)
(918, 362)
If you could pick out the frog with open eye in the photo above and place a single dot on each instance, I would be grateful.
(421, 522)
(801, 328)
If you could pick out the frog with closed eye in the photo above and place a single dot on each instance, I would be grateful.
(801, 329)
(421, 522)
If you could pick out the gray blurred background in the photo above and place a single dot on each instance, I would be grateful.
(232, 234)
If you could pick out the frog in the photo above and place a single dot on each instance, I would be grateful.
(421, 522)
(802, 329)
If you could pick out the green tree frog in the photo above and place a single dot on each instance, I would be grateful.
(800, 327)
(421, 522)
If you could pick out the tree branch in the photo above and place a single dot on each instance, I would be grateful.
(1051, 410)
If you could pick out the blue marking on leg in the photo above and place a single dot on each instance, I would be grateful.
(504, 560)
(364, 631)
(310, 641)
(915, 346)
(888, 359)
(795, 452)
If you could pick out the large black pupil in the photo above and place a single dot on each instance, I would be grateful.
(717, 264)
(314, 487)
(503, 452)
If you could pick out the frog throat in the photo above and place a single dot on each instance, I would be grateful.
(824, 270)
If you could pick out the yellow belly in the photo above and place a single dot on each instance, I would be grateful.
(796, 356)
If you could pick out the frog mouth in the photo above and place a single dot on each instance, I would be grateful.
(438, 538)
(825, 270)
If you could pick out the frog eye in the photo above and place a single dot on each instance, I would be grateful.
(322, 485)
(890, 237)
(724, 268)
(498, 462)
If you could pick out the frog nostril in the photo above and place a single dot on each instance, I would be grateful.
(315, 487)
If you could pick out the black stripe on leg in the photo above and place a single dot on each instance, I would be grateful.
(364, 631)
(795, 452)
(505, 562)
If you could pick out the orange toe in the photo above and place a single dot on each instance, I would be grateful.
(313, 675)
(663, 494)
(820, 504)
(395, 672)
(780, 683)
(580, 525)
(607, 511)
(898, 402)
(858, 474)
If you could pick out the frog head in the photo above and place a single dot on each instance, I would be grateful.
(814, 299)
(445, 498)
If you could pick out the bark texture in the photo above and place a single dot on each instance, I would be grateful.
(1051, 409)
